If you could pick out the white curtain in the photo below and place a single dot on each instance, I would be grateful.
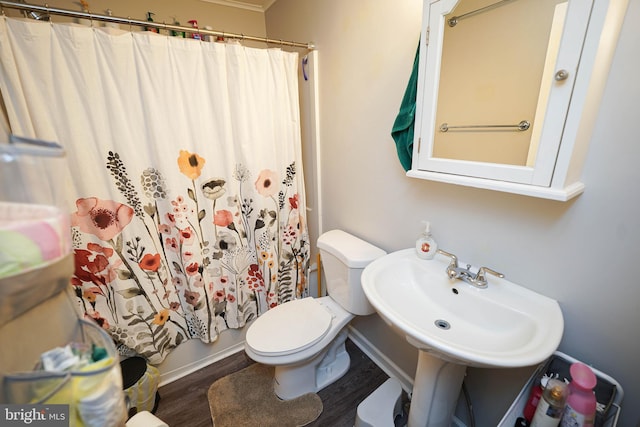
(188, 201)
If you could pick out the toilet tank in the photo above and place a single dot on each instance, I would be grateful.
(344, 256)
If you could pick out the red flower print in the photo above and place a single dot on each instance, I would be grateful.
(186, 236)
(293, 201)
(101, 321)
(102, 218)
(231, 298)
(192, 269)
(223, 218)
(94, 247)
(150, 262)
(254, 278)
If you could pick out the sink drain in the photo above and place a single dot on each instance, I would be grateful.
(442, 324)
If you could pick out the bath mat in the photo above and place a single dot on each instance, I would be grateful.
(246, 399)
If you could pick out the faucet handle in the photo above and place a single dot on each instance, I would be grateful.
(481, 276)
(452, 268)
(454, 259)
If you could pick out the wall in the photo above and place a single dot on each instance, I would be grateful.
(221, 18)
(580, 252)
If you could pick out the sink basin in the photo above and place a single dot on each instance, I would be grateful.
(454, 325)
(503, 325)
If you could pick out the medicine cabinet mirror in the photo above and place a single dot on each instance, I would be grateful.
(508, 91)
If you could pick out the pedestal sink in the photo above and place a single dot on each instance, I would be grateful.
(454, 325)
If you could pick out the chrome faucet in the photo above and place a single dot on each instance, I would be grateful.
(478, 279)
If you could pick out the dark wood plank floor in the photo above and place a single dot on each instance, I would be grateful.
(184, 402)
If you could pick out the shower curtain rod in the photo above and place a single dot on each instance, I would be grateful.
(105, 18)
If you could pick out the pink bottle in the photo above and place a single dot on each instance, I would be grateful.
(581, 403)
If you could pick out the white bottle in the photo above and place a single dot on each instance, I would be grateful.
(551, 405)
(426, 247)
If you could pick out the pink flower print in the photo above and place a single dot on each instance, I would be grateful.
(187, 255)
(170, 218)
(267, 183)
(231, 298)
(101, 321)
(175, 306)
(172, 244)
(102, 218)
(198, 281)
(164, 229)
(223, 218)
(191, 297)
(219, 296)
(296, 220)
(177, 281)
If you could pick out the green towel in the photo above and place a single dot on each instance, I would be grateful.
(402, 131)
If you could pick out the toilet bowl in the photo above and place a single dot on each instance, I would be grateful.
(304, 338)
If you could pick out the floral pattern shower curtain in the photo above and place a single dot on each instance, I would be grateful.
(187, 201)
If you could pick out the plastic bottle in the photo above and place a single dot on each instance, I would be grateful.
(150, 19)
(85, 8)
(426, 247)
(176, 33)
(196, 34)
(534, 398)
(551, 406)
(581, 403)
(111, 24)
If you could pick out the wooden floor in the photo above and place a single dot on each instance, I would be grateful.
(184, 402)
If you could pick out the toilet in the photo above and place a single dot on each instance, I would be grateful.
(304, 338)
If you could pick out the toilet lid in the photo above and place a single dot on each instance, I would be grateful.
(290, 327)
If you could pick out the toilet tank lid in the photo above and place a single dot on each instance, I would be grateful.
(354, 252)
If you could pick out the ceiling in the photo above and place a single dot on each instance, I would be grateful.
(255, 5)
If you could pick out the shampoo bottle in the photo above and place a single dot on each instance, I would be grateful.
(196, 34)
(150, 19)
(551, 406)
(111, 24)
(534, 397)
(581, 403)
(426, 247)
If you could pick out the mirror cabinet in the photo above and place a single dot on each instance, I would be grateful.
(508, 91)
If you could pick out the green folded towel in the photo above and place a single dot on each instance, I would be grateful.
(402, 131)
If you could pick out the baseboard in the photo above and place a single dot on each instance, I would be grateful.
(388, 366)
(176, 374)
(381, 360)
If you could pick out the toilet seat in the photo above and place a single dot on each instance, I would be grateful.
(289, 328)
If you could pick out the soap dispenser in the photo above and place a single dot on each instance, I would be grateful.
(426, 247)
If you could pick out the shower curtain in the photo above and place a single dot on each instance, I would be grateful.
(187, 200)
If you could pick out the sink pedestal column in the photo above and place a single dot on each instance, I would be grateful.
(436, 388)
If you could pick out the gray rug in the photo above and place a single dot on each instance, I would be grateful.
(246, 399)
